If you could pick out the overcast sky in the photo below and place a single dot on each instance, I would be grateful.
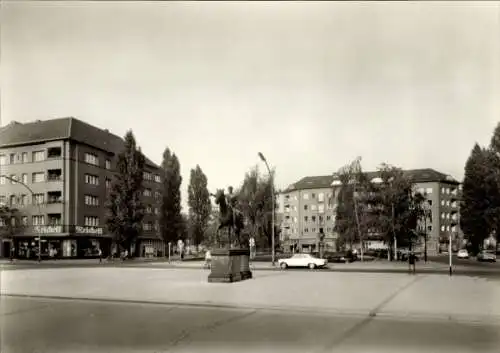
(311, 85)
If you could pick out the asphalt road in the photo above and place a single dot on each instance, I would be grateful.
(75, 326)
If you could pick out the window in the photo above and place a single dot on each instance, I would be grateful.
(443, 216)
(24, 178)
(2, 180)
(313, 230)
(328, 218)
(442, 202)
(91, 179)
(91, 200)
(13, 178)
(429, 202)
(442, 190)
(321, 208)
(313, 207)
(447, 228)
(23, 200)
(295, 219)
(447, 191)
(38, 220)
(54, 197)
(12, 200)
(38, 156)
(91, 158)
(24, 220)
(147, 226)
(157, 178)
(429, 228)
(428, 190)
(147, 192)
(147, 176)
(306, 230)
(2, 200)
(313, 195)
(38, 177)
(54, 152)
(157, 211)
(306, 218)
(313, 218)
(448, 216)
(305, 207)
(108, 164)
(149, 209)
(108, 183)
(157, 195)
(3, 159)
(321, 197)
(25, 157)
(442, 228)
(157, 226)
(306, 196)
(91, 221)
(38, 199)
(12, 158)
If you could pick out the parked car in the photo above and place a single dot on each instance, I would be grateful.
(463, 254)
(486, 256)
(302, 260)
(341, 257)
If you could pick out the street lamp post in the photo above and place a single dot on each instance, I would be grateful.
(39, 211)
(261, 156)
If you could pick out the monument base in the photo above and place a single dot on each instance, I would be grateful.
(229, 265)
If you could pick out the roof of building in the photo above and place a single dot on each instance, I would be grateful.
(426, 175)
(16, 134)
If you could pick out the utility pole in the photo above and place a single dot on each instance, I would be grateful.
(271, 177)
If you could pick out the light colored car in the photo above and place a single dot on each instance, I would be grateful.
(302, 260)
(487, 256)
(463, 254)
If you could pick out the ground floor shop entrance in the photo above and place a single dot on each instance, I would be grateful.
(61, 247)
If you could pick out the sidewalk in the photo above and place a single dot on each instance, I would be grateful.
(363, 294)
(369, 265)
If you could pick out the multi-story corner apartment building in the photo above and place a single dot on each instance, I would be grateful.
(309, 208)
(68, 166)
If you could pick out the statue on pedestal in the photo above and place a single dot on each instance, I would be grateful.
(230, 216)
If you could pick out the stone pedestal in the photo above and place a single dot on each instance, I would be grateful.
(229, 265)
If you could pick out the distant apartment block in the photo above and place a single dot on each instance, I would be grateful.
(68, 165)
(308, 208)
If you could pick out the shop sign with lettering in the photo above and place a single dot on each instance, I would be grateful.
(89, 230)
(47, 229)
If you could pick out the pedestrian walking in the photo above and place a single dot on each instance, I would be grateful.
(412, 259)
(100, 255)
(12, 252)
(208, 259)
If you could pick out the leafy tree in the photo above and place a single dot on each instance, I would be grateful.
(393, 207)
(494, 214)
(10, 222)
(171, 219)
(478, 197)
(124, 206)
(351, 217)
(255, 200)
(200, 205)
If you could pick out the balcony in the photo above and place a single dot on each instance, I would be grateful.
(54, 197)
(54, 175)
(54, 152)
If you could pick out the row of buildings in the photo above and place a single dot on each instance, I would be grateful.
(66, 167)
(308, 207)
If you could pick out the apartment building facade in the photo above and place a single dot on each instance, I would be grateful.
(309, 209)
(67, 166)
